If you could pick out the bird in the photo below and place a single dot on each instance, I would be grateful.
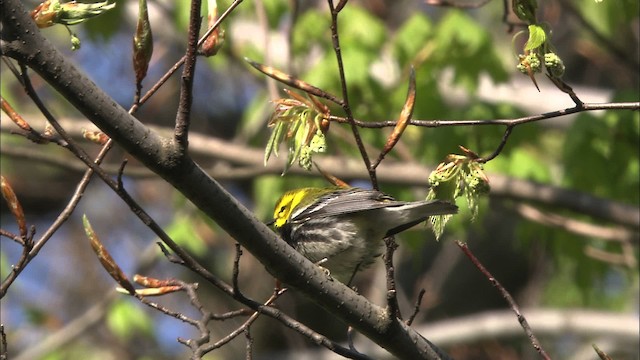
(342, 229)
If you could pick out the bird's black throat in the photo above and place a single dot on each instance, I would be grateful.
(285, 232)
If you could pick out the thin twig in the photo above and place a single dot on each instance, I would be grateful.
(241, 329)
(351, 332)
(15, 237)
(501, 145)
(294, 82)
(180, 62)
(76, 327)
(300, 328)
(231, 314)
(124, 195)
(183, 116)
(3, 342)
(416, 308)
(507, 122)
(31, 134)
(505, 294)
(236, 268)
(167, 311)
(565, 88)
(240, 162)
(403, 120)
(392, 294)
(60, 220)
(64, 215)
(121, 173)
(249, 344)
(187, 260)
(17, 268)
(204, 319)
(345, 96)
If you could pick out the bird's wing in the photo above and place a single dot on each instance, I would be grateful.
(346, 202)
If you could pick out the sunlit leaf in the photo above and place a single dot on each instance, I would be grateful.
(126, 320)
(537, 37)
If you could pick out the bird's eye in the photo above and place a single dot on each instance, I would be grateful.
(282, 209)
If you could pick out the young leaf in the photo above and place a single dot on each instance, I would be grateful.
(14, 205)
(105, 258)
(142, 43)
(51, 12)
(214, 41)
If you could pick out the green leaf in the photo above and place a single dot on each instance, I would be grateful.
(562, 290)
(142, 42)
(253, 118)
(537, 37)
(525, 165)
(356, 67)
(411, 37)
(4, 265)
(458, 31)
(360, 29)
(126, 320)
(522, 163)
(277, 134)
(466, 47)
(102, 27)
(312, 29)
(525, 10)
(275, 10)
(266, 190)
(610, 18)
(183, 232)
(598, 150)
(324, 74)
(56, 355)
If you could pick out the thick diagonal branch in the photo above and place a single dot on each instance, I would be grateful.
(22, 41)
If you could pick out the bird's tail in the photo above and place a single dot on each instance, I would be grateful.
(413, 213)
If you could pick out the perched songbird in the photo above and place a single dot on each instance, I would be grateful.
(342, 229)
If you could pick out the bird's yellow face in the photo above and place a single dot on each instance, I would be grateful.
(285, 206)
(294, 200)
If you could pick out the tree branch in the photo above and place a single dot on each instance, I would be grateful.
(24, 42)
(247, 163)
(180, 62)
(183, 117)
(33, 251)
(335, 38)
(507, 122)
(546, 322)
(508, 298)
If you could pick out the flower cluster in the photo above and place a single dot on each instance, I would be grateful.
(458, 175)
(302, 123)
(538, 48)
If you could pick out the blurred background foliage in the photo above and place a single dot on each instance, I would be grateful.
(465, 69)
